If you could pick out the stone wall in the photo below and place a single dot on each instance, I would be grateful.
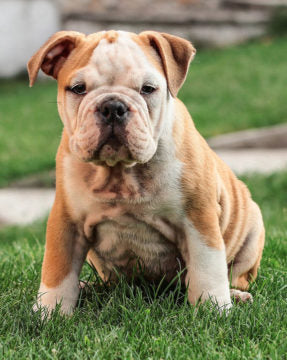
(205, 22)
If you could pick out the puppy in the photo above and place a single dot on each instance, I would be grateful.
(136, 184)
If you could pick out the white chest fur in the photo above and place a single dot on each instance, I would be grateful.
(136, 213)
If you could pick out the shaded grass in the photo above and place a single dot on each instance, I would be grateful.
(226, 90)
(129, 322)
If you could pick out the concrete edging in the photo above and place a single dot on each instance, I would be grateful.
(265, 138)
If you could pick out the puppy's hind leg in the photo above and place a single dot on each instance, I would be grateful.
(246, 262)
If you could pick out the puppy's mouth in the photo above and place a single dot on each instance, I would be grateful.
(113, 151)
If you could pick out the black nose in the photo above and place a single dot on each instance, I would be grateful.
(113, 111)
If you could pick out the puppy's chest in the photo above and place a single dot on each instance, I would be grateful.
(148, 231)
(126, 242)
(137, 226)
(129, 214)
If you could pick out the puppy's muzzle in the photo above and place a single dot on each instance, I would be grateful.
(113, 112)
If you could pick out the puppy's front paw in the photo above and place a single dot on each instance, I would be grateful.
(47, 302)
(65, 295)
(222, 302)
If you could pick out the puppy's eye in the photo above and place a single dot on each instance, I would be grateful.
(79, 89)
(147, 89)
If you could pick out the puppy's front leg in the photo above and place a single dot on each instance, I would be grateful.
(207, 276)
(65, 253)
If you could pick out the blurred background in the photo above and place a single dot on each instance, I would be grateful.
(207, 23)
(235, 90)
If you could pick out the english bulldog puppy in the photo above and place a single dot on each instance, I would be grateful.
(136, 184)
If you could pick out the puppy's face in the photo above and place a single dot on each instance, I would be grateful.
(113, 91)
(115, 105)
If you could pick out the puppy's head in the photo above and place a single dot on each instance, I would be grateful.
(114, 89)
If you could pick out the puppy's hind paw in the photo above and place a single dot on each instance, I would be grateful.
(241, 296)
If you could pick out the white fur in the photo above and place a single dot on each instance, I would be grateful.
(207, 275)
(65, 294)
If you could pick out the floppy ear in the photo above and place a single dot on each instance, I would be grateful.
(52, 55)
(175, 53)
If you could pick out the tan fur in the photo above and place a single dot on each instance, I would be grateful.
(198, 177)
(163, 201)
(176, 55)
(111, 36)
(216, 201)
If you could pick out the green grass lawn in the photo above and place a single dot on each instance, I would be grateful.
(238, 88)
(226, 90)
(128, 322)
(30, 128)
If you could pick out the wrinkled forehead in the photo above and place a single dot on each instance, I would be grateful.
(120, 54)
(120, 57)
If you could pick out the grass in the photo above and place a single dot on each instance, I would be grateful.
(30, 128)
(226, 90)
(237, 88)
(129, 322)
